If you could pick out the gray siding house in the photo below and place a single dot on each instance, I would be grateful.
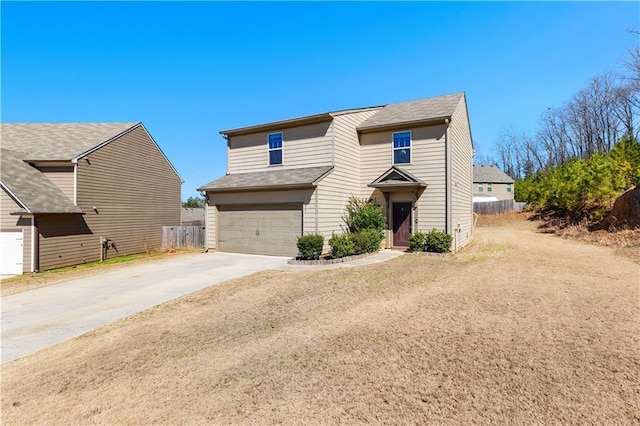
(294, 177)
(490, 181)
(68, 187)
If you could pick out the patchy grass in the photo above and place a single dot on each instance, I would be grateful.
(25, 282)
(518, 328)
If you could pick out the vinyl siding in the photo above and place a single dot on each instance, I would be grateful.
(461, 176)
(335, 190)
(13, 223)
(61, 176)
(135, 192)
(427, 164)
(303, 146)
(306, 197)
(210, 225)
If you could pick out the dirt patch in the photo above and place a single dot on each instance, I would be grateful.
(519, 327)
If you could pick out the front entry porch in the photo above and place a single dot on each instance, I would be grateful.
(401, 191)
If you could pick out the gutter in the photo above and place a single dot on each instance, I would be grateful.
(310, 119)
(403, 124)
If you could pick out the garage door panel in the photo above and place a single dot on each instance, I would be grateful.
(260, 229)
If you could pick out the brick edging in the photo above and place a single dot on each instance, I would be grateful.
(329, 261)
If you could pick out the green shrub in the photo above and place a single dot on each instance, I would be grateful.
(367, 241)
(438, 241)
(363, 214)
(341, 245)
(310, 246)
(416, 241)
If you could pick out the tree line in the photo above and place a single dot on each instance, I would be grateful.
(584, 188)
(590, 123)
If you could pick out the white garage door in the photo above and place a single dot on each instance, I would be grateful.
(11, 253)
(260, 229)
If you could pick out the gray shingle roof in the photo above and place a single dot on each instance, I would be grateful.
(58, 141)
(31, 187)
(413, 111)
(482, 173)
(281, 178)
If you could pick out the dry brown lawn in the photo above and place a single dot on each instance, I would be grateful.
(519, 328)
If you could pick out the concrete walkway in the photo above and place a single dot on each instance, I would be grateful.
(38, 318)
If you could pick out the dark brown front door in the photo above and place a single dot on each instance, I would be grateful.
(401, 224)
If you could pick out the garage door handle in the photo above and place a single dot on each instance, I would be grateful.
(257, 233)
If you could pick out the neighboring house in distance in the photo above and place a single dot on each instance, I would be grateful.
(79, 192)
(192, 216)
(489, 182)
(295, 177)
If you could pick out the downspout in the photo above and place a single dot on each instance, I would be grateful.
(35, 245)
(447, 162)
(75, 183)
(316, 208)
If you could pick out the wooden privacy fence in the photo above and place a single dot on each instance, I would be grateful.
(497, 207)
(183, 237)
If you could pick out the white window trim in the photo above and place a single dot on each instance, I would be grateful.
(489, 187)
(480, 187)
(274, 149)
(393, 149)
(509, 187)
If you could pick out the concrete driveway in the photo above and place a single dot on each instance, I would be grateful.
(35, 319)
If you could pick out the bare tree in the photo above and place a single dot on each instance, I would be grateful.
(485, 159)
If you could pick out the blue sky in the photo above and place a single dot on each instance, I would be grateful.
(189, 70)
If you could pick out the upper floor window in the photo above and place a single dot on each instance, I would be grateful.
(480, 187)
(489, 187)
(275, 149)
(401, 147)
(508, 187)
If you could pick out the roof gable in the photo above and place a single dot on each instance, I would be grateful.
(31, 188)
(396, 177)
(58, 141)
(482, 173)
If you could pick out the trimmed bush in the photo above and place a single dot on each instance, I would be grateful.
(416, 241)
(363, 214)
(367, 241)
(438, 241)
(310, 246)
(341, 245)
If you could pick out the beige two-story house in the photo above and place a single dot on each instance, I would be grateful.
(491, 184)
(294, 177)
(80, 192)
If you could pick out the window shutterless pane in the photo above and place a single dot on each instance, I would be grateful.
(402, 140)
(275, 141)
(275, 157)
(401, 156)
